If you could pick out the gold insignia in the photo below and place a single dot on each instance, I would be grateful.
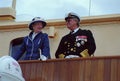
(84, 53)
(61, 56)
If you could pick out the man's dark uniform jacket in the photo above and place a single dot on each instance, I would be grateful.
(80, 43)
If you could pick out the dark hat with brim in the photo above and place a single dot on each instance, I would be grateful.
(72, 15)
(34, 20)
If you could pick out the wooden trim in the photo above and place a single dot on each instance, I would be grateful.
(92, 69)
(101, 20)
(72, 59)
(6, 17)
(61, 23)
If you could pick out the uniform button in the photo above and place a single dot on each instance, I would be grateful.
(74, 50)
(65, 42)
(71, 49)
(68, 51)
(75, 45)
(68, 45)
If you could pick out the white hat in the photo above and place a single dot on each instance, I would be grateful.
(10, 69)
(72, 15)
(36, 19)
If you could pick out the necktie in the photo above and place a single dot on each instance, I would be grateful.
(71, 32)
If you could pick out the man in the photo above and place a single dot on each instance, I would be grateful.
(78, 43)
(36, 44)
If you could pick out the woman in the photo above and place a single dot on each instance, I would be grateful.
(36, 44)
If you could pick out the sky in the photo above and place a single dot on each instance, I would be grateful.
(58, 9)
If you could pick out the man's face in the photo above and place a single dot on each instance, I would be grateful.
(71, 23)
(37, 26)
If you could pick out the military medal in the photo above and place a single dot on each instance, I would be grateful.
(78, 44)
(82, 42)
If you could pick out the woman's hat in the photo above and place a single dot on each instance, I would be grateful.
(36, 19)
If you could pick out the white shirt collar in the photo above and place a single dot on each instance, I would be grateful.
(74, 31)
(33, 35)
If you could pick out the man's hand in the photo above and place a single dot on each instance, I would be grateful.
(72, 56)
